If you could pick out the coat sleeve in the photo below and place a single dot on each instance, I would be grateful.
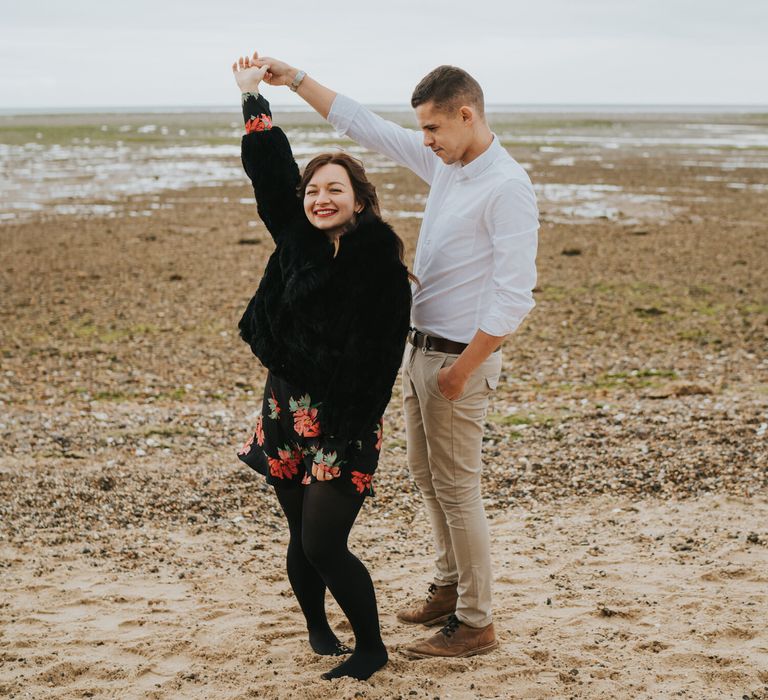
(268, 162)
(360, 387)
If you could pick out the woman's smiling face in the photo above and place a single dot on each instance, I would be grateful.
(329, 200)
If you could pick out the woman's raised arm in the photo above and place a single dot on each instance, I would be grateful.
(266, 154)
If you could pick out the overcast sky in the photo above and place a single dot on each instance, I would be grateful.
(83, 53)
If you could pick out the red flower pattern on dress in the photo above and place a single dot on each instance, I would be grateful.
(305, 421)
(258, 435)
(245, 449)
(274, 407)
(362, 481)
(327, 461)
(379, 432)
(260, 123)
(287, 463)
(306, 424)
(259, 431)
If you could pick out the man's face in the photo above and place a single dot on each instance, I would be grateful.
(447, 133)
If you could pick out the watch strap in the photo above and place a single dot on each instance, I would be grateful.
(294, 85)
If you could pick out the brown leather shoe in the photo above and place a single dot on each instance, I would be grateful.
(455, 640)
(439, 605)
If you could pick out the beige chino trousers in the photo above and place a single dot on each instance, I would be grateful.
(444, 441)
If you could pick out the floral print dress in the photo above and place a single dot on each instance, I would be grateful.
(288, 441)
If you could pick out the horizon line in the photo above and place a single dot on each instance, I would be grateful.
(397, 106)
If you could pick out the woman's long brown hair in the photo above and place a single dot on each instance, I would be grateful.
(365, 192)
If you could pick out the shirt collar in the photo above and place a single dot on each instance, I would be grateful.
(481, 163)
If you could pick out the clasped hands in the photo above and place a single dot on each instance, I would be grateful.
(249, 71)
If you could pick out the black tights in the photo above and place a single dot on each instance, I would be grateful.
(320, 517)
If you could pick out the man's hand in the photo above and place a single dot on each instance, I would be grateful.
(319, 97)
(280, 73)
(452, 380)
(450, 383)
(249, 72)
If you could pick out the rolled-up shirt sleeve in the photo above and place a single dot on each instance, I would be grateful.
(512, 218)
(404, 146)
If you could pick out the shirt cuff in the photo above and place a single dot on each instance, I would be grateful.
(499, 324)
(342, 113)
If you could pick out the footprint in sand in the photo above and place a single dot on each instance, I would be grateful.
(654, 645)
(139, 622)
(726, 574)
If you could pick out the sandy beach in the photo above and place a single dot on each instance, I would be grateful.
(626, 448)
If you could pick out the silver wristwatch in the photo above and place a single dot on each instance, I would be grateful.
(297, 80)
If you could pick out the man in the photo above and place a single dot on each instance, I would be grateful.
(475, 261)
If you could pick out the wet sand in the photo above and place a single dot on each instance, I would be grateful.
(627, 455)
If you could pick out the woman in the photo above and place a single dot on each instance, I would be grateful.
(329, 322)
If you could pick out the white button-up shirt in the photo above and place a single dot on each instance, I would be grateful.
(476, 254)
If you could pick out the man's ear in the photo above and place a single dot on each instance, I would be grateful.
(467, 114)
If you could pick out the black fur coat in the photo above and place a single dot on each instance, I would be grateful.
(332, 326)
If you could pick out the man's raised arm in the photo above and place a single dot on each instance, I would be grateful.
(349, 118)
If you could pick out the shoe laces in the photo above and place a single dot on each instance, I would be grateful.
(431, 592)
(451, 626)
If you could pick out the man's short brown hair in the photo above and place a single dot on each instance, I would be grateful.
(449, 87)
